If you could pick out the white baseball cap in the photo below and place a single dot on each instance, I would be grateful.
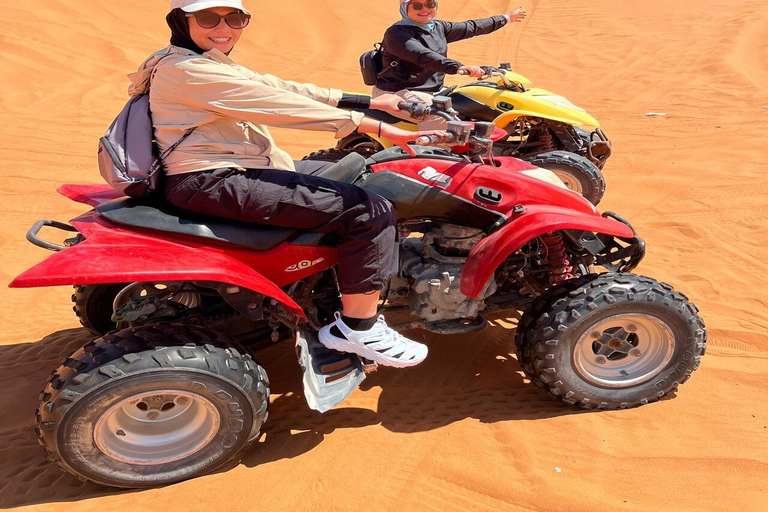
(199, 5)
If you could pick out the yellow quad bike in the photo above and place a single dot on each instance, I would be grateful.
(545, 129)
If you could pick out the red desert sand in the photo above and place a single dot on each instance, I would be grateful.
(464, 430)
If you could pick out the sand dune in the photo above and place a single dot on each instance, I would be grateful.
(465, 430)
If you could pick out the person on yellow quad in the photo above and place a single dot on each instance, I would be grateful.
(415, 53)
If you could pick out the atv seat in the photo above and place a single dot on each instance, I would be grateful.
(136, 213)
(161, 216)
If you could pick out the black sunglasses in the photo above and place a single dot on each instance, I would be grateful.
(417, 6)
(209, 19)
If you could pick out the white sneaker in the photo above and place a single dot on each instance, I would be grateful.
(379, 343)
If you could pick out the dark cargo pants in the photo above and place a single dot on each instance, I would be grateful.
(366, 222)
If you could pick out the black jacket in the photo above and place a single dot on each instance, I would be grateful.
(421, 56)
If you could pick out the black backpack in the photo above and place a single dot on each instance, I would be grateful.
(372, 64)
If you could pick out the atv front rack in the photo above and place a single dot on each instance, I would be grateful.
(599, 148)
(620, 257)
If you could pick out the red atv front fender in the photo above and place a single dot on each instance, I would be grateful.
(534, 221)
(118, 256)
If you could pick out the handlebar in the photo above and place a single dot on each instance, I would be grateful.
(429, 140)
(417, 110)
(421, 111)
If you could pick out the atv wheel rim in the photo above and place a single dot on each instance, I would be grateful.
(624, 350)
(569, 180)
(156, 427)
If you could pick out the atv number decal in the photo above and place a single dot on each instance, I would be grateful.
(487, 195)
(303, 264)
(431, 174)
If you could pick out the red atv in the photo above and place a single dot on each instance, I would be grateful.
(170, 390)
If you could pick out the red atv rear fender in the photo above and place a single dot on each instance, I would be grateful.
(90, 194)
(534, 221)
(118, 256)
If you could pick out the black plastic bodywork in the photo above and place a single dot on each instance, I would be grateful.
(471, 109)
(415, 200)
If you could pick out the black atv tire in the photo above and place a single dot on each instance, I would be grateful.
(359, 143)
(327, 155)
(558, 347)
(92, 304)
(355, 143)
(104, 404)
(577, 172)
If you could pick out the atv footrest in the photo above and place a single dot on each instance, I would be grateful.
(328, 376)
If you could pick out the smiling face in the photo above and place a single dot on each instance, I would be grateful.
(423, 15)
(222, 36)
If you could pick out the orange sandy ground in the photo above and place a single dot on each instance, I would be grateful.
(465, 430)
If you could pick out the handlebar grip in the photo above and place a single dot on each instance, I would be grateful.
(428, 140)
(463, 72)
(403, 105)
(424, 140)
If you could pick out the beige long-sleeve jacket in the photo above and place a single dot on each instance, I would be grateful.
(230, 107)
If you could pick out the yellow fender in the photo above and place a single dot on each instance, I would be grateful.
(507, 117)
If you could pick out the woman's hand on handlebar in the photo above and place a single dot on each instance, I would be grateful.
(474, 71)
(386, 103)
(401, 138)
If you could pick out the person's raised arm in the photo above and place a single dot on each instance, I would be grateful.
(456, 31)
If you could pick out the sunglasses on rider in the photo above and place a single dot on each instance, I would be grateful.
(417, 6)
(210, 19)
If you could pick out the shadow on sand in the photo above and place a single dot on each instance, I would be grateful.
(466, 376)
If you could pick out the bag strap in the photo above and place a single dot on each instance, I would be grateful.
(176, 144)
(158, 163)
(379, 47)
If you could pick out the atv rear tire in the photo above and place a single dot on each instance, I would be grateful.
(92, 304)
(577, 172)
(152, 405)
(610, 341)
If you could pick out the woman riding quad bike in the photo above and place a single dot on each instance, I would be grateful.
(543, 128)
(220, 266)
(176, 392)
(414, 53)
